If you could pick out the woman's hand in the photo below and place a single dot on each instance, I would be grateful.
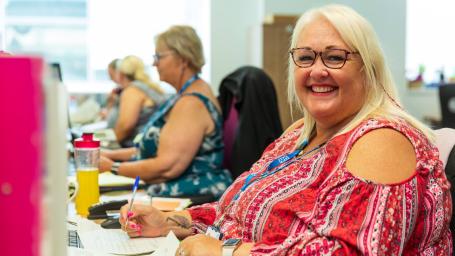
(105, 164)
(199, 245)
(144, 220)
(106, 153)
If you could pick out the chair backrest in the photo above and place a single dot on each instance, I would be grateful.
(445, 141)
(229, 132)
(251, 120)
(447, 100)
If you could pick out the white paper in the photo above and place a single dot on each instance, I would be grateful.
(169, 246)
(99, 241)
(81, 224)
(116, 241)
(108, 179)
(141, 196)
(73, 251)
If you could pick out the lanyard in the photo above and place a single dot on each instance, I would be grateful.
(166, 106)
(188, 83)
(275, 166)
(163, 109)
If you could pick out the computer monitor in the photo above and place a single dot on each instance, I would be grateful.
(447, 101)
(33, 157)
(56, 71)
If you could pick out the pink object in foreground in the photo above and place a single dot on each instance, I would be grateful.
(21, 156)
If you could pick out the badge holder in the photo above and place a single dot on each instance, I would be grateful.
(214, 232)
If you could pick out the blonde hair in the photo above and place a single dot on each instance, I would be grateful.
(381, 94)
(114, 64)
(133, 68)
(185, 42)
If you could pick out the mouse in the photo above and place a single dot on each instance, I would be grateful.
(111, 223)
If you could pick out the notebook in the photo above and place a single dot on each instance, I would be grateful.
(109, 241)
(110, 182)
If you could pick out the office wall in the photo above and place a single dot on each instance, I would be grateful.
(235, 36)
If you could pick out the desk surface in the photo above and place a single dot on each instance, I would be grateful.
(116, 238)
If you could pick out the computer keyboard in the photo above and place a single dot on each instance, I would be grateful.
(74, 239)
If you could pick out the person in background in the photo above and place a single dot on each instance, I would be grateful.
(356, 176)
(112, 70)
(139, 99)
(180, 150)
(110, 110)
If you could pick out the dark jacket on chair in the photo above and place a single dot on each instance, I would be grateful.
(258, 122)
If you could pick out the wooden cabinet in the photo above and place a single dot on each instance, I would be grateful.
(276, 43)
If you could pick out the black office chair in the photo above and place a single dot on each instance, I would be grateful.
(251, 120)
(445, 141)
(450, 172)
(447, 100)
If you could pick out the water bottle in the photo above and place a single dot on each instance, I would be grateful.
(87, 157)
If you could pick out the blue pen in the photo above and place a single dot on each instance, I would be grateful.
(136, 184)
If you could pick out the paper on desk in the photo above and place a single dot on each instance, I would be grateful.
(96, 126)
(141, 196)
(169, 246)
(170, 204)
(80, 224)
(116, 241)
(107, 179)
(99, 241)
(105, 134)
(73, 251)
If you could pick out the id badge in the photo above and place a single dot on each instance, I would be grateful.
(214, 232)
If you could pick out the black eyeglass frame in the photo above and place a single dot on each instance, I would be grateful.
(316, 54)
(158, 56)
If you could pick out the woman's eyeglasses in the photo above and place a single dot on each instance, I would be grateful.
(331, 58)
(158, 56)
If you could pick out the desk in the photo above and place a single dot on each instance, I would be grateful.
(91, 236)
(110, 235)
(141, 196)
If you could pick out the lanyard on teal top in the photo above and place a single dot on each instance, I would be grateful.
(166, 106)
(161, 111)
(188, 83)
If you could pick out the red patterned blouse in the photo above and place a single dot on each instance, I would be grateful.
(315, 206)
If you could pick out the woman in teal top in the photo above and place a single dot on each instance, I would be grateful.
(180, 151)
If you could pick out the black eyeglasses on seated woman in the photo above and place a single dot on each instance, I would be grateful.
(331, 58)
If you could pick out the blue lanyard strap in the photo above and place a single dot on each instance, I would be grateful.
(167, 105)
(275, 166)
(188, 83)
(163, 109)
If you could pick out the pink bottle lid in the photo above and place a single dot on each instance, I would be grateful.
(87, 141)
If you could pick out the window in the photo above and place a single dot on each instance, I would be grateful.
(430, 41)
(85, 35)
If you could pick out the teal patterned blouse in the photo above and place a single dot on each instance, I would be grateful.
(205, 174)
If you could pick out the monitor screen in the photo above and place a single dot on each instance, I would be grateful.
(56, 71)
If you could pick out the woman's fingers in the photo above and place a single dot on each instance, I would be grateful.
(136, 210)
(135, 233)
(132, 226)
(125, 213)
